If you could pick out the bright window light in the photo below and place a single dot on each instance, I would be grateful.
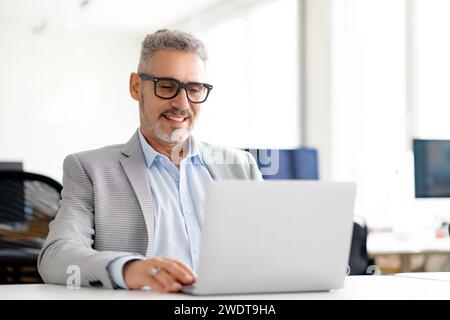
(254, 68)
(369, 143)
(431, 97)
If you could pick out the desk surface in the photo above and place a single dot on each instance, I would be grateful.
(405, 246)
(356, 287)
(379, 243)
(436, 276)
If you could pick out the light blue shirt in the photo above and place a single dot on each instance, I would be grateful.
(178, 196)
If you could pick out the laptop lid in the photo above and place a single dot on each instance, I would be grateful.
(275, 236)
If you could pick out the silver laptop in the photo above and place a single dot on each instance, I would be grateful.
(274, 236)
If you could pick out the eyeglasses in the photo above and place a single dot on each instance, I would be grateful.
(169, 88)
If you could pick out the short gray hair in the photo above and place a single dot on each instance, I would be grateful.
(171, 40)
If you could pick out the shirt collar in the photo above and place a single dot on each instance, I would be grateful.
(151, 154)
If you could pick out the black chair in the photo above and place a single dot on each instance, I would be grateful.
(28, 202)
(359, 261)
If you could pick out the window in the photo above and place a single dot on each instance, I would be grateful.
(369, 129)
(431, 69)
(253, 66)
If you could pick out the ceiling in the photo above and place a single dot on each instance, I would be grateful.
(44, 16)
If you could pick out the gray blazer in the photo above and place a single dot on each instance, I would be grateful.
(106, 211)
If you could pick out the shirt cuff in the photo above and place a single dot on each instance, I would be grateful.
(115, 270)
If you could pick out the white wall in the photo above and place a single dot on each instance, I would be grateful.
(64, 92)
(317, 81)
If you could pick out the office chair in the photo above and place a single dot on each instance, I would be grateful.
(359, 261)
(28, 202)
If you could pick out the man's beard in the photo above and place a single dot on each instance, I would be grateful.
(177, 136)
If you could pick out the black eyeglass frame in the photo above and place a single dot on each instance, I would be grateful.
(181, 85)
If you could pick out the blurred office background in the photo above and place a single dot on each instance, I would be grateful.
(355, 79)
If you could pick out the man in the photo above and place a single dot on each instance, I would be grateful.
(131, 214)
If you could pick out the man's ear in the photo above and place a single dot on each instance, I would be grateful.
(135, 88)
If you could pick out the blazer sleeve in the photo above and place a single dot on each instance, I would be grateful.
(68, 251)
(254, 172)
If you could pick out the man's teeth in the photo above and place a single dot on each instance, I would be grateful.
(177, 119)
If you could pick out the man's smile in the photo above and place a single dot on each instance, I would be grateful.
(175, 120)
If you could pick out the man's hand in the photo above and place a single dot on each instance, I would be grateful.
(170, 274)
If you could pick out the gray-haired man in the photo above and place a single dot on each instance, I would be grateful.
(131, 215)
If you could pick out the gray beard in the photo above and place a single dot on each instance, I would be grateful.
(177, 136)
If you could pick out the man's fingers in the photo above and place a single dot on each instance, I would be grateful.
(182, 265)
(154, 284)
(167, 281)
(178, 272)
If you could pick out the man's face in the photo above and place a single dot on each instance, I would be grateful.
(168, 121)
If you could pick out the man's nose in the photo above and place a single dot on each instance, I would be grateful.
(181, 101)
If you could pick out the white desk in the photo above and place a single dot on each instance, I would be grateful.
(356, 287)
(436, 276)
(388, 243)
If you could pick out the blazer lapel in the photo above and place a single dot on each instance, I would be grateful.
(213, 159)
(136, 171)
